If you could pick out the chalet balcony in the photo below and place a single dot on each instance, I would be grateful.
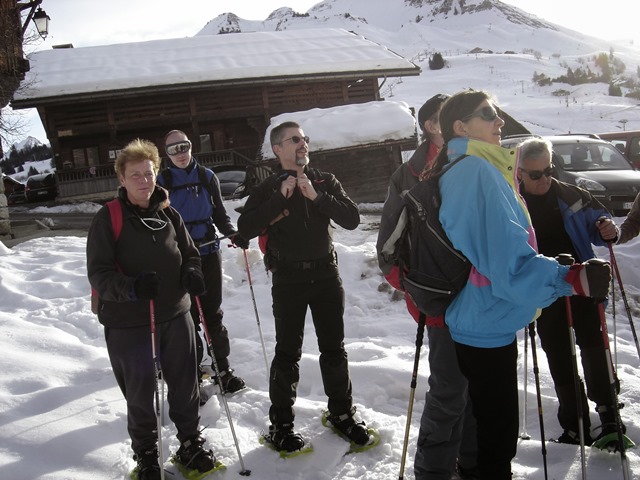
(100, 181)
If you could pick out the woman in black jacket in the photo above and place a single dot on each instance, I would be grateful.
(153, 261)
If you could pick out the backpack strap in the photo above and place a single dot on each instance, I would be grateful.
(205, 181)
(115, 210)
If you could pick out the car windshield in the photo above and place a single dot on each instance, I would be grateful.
(580, 157)
(231, 176)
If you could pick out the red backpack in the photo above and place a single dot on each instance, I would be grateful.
(115, 210)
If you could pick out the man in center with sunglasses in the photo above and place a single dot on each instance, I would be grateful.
(296, 207)
(568, 219)
(200, 205)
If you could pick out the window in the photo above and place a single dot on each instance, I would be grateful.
(85, 157)
(205, 143)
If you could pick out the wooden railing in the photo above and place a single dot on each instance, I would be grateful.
(102, 178)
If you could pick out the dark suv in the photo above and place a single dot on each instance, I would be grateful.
(596, 166)
(41, 187)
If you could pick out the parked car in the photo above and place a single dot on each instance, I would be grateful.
(41, 187)
(628, 142)
(595, 165)
(232, 181)
(17, 196)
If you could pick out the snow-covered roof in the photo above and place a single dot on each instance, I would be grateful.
(210, 59)
(348, 125)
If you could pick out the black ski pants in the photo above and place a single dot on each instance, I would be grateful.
(131, 358)
(493, 389)
(325, 299)
(211, 302)
(556, 342)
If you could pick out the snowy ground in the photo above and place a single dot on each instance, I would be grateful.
(63, 417)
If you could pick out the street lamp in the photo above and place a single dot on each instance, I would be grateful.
(39, 17)
(41, 20)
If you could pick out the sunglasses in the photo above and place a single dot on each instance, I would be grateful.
(537, 174)
(296, 139)
(488, 114)
(178, 147)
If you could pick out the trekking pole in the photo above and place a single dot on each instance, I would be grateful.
(414, 380)
(255, 309)
(217, 239)
(626, 472)
(157, 372)
(615, 327)
(566, 259)
(624, 296)
(524, 435)
(536, 375)
(244, 472)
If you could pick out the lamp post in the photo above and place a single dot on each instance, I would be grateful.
(39, 17)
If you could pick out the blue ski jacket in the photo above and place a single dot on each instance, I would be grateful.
(580, 212)
(202, 213)
(485, 218)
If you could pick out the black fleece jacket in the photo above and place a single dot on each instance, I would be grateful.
(112, 266)
(304, 231)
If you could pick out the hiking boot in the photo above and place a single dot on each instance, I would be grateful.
(466, 473)
(230, 383)
(147, 464)
(284, 438)
(192, 456)
(346, 424)
(573, 438)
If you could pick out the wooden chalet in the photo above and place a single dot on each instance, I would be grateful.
(222, 90)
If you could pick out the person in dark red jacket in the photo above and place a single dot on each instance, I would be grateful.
(154, 258)
(447, 436)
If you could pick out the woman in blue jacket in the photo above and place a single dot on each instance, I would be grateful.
(486, 219)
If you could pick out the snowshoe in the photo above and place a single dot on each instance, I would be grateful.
(285, 441)
(611, 443)
(229, 382)
(194, 474)
(193, 461)
(360, 437)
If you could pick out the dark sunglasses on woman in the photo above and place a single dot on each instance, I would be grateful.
(488, 114)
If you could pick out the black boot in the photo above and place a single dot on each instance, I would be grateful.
(347, 425)
(148, 467)
(284, 438)
(194, 457)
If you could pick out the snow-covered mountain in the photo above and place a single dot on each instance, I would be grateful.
(27, 144)
(487, 45)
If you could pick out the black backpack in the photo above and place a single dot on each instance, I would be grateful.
(432, 271)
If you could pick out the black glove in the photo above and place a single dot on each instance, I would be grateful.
(193, 282)
(240, 241)
(591, 278)
(146, 286)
